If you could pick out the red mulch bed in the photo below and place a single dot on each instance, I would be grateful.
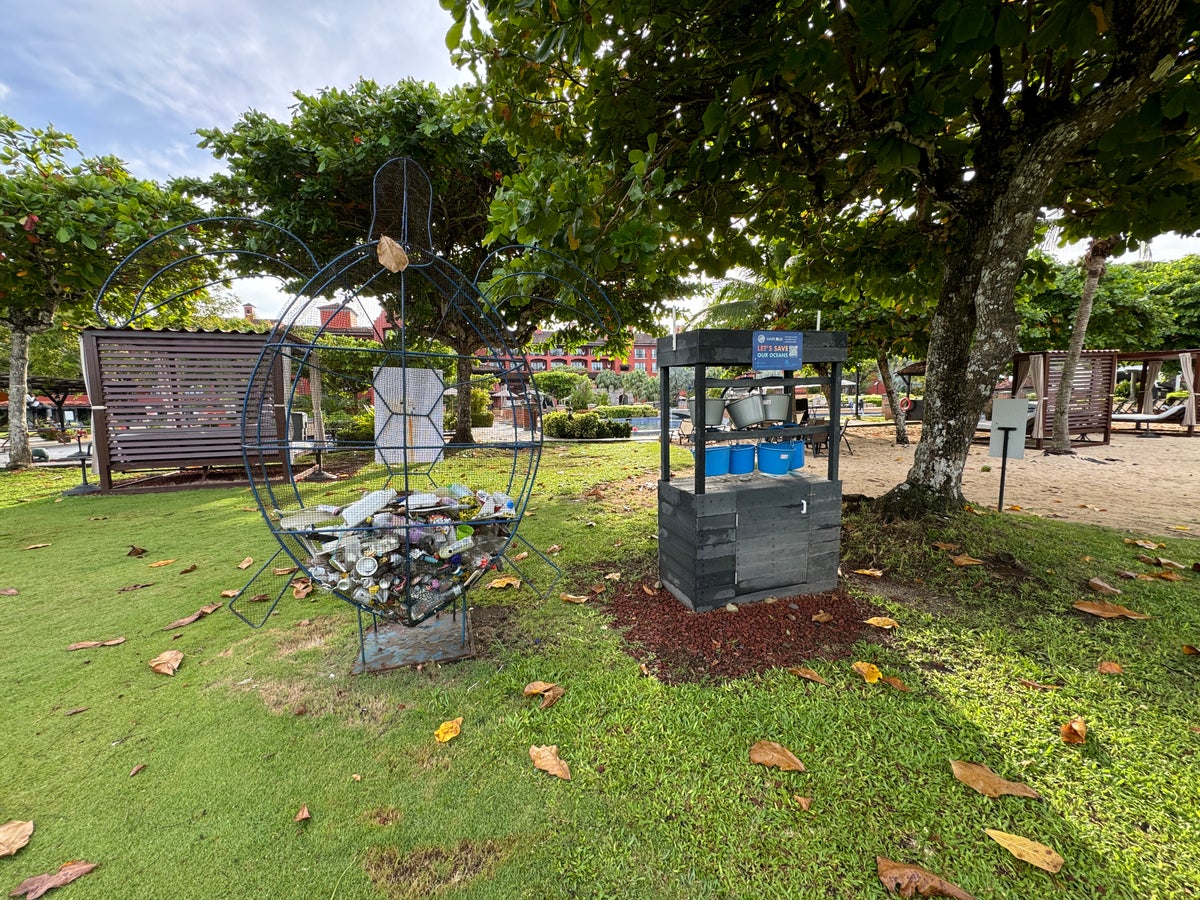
(679, 645)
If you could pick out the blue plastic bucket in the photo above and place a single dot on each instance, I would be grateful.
(774, 459)
(716, 461)
(797, 457)
(741, 459)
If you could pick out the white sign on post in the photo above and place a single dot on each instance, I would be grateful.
(1008, 414)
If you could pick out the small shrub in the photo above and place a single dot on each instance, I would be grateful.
(557, 424)
(625, 412)
(481, 411)
(360, 427)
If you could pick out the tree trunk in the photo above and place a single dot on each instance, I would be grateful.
(1098, 251)
(19, 454)
(889, 385)
(462, 400)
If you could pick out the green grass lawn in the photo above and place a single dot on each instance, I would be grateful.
(663, 801)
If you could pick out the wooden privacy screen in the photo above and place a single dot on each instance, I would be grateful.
(170, 399)
(1089, 416)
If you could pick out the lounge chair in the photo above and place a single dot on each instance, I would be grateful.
(1147, 419)
(685, 431)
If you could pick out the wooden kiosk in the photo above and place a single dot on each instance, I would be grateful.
(739, 538)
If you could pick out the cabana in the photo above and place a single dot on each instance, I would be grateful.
(1151, 362)
(1089, 415)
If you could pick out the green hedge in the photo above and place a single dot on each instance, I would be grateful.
(584, 426)
(626, 412)
(481, 411)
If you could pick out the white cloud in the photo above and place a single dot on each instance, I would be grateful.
(5, 90)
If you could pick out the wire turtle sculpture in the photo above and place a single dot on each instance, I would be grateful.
(423, 506)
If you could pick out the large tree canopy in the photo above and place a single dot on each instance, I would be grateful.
(905, 148)
(65, 222)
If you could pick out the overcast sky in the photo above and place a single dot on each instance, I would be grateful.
(136, 78)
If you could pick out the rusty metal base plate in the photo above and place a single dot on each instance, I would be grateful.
(387, 646)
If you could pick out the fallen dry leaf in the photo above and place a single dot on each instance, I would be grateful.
(160, 563)
(822, 617)
(645, 670)
(13, 836)
(805, 802)
(301, 588)
(774, 755)
(36, 546)
(647, 590)
(874, 573)
(802, 672)
(35, 887)
(8, 592)
(1147, 545)
(1169, 576)
(987, 782)
(869, 672)
(1189, 650)
(882, 622)
(948, 547)
(198, 614)
(1037, 686)
(547, 759)
(913, 881)
(598, 588)
(1031, 851)
(1109, 668)
(136, 551)
(260, 598)
(303, 814)
(140, 767)
(284, 570)
(613, 576)
(447, 731)
(230, 593)
(573, 598)
(554, 548)
(551, 692)
(88, 645)
(391, 255)
(504, 581)
(520, 556)
(1102, 587)
(964, 560)
(246, 563)
(76, 711)
(1106, 610)
(134, 587)
(188, 570)
(1168, 563)
(893, 681)
(167, 663)
(1075, 731)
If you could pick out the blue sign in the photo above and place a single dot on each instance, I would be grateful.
(777, 350)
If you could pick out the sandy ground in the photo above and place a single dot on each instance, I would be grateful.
(1136, 484)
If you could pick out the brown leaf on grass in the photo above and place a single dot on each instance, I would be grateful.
(1135, 576)
(964, 560)
(551, 693)
(1031, 851)
(554, 548)
(805, 802)
(284, 570)
(947, 547)
(137, 770)
(188, 570)
(504, 581)
(160, 564)
(76, 711)
(391, 255)
(893, 681)
(230, 593)
(912, 881)
(1189, 650)
(13, 836)
(1196, 567)
(777, 756)
(1148, 545)
(1168, 563)
(198, 614)
(869, 672)
(246, 563)
(988, 783)
(647, 590)
(303, 815)
(1169, 576)
(1074, 732)
(573, 598)
(802, 672)
(167, 663)
(1102, 587)
(8, 592)
(598, 588)
(613, 576)
(36, 546)
(136, 551)
(88, 645)
(1106, 610)
(874, 573)
(448, 731)
(882, 622)
(524, 554)
(134, 587)
(547, 759)
(260, 598)
(645, 670)
(32, 888)
(1148, 560)
(822, 617)
(1109, 668)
